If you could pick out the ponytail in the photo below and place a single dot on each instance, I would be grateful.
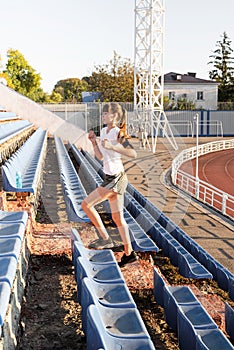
(123, 126)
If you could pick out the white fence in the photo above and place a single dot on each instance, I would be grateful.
(195, 187)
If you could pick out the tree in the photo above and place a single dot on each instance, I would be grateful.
(70, 89)
(114, 80)
(23, 77)
(223, 69)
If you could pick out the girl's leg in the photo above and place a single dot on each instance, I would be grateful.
(116, 204)
(95, 197)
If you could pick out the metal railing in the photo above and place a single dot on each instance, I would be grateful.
(200, 189)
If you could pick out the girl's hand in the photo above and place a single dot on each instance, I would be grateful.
(107, 144)
(92, 137)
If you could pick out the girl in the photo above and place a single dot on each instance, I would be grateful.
(110, 148)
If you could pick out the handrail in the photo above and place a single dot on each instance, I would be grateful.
(202, 190)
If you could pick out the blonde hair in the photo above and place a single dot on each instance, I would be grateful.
(121, 119)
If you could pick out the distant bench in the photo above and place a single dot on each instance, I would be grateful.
(29, 161)
(7, 115)
(12, 136)
(9, 130)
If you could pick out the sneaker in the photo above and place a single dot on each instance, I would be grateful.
(127, 259)
(101, 243)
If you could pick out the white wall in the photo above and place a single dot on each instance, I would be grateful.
(210, 93)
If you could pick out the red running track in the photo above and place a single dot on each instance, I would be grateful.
(217, 169)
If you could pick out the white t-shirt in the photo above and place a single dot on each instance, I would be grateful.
(112, 163)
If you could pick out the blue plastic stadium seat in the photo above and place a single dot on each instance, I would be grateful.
(28, 159)
(140, 240)
(212, 339)
(75, 236)
(107, 294)
(104, 334)
(190, 319)
(223, 277)
(173, 297)
(175, 249)
(10, 247)
(229, 320)
(10, 217)
(5, 292)
(105, 256)
(98, 272)
(190, 268)
(8, 266)
(231, 287)
(11, 230)
(159, 284)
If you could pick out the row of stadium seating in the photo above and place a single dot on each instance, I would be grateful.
(28, 161)
(73, 190)
(110, 318)
(9, 130)
(13, 134)
(185, 315)
(12, 234)
(4, 116)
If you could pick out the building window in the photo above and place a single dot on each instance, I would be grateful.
(200, 95)
(184, 96)
(171, 95)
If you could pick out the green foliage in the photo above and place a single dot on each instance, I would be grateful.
(8, 80)
(223, 68)
(23, 77)
(70, 89)
(114, 80)
(168, 104)
(180, 104)
(184, 104)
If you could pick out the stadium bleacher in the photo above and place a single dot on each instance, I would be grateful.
(185, 314)
(12, 235)
(96, 271)
(28, 160)
(74, 191)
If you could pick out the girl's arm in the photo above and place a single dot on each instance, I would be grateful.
(124, 148)
(92, 137)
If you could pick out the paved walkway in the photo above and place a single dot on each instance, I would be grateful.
(149, 173)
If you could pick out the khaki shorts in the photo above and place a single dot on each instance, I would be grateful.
(117, 183)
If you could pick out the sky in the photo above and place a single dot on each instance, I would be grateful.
(67, 39)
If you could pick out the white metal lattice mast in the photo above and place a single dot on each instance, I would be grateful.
(148, 69)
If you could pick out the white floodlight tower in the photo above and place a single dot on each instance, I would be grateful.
(148, 70)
